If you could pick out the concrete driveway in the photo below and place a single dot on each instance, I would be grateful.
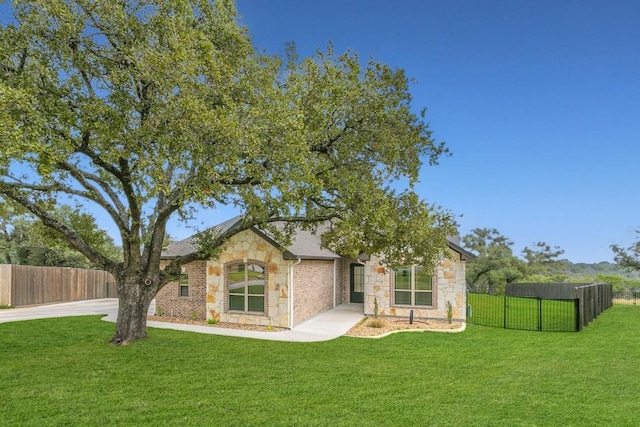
(323, 327)
(108, 306)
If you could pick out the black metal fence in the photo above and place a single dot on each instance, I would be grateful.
(524, 313)
(591, 300)
(537, 313)
(626, 297)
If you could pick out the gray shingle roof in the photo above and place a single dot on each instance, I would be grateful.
(307, 245)
(304, 244)
(189, 245)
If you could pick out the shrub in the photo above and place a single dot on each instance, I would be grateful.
(449, 312)
(376, 323)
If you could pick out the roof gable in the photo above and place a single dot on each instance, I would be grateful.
(464, 254)
(304, 244)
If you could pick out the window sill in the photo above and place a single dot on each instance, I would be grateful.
(414, 306)
(249, 313)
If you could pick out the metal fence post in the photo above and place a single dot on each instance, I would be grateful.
(539, 314)
(578, 315)
(505, 313)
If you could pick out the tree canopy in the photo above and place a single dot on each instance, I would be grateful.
(24, 239)
(496, 265)
(628, 257)
(151, 109)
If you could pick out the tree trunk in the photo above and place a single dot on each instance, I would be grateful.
(134, 298)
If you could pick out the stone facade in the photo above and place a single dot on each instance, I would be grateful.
(449, 286)
(247, 246)
(318, 285)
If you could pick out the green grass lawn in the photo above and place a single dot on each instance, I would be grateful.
(62, 372)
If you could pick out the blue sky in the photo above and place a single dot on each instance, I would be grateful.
(539, 102)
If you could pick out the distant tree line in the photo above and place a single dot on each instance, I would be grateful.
(496, 265)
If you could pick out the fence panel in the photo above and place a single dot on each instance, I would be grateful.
(626, 298)
(538, 312)
(5, 286)
(485, 309)
(28, 285)
(531, 314)
(542, 290)
(594, 299)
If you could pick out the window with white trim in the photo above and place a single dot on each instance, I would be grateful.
(413, 286)
(246, 285)
(183, 284)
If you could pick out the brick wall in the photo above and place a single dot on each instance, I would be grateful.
(313, 288)
(170, 303)
(341, 284)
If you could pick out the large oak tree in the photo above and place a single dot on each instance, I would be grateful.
(152, 109)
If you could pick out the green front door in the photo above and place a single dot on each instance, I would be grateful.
(357, 283)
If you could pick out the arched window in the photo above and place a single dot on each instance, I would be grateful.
(246, 286)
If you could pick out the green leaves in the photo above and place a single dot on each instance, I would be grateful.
(147, 109)
(628, 257)
(496, 265)
(26, 240)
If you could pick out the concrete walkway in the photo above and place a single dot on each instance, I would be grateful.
(323, 327)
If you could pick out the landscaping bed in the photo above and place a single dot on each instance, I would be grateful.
(184, 321)
(370, 327)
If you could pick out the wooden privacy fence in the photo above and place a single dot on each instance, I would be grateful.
(27, 285)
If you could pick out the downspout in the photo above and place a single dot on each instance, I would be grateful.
(291, 291)
(334, 282)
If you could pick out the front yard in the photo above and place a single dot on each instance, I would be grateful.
(62, 372)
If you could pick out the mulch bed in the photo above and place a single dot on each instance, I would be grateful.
(369, 327)
(362, 329)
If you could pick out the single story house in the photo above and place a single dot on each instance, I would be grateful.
(255, 281)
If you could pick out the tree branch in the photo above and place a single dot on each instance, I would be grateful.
(118, 214)
(72, 237)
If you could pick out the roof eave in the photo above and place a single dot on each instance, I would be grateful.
(465, 255)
